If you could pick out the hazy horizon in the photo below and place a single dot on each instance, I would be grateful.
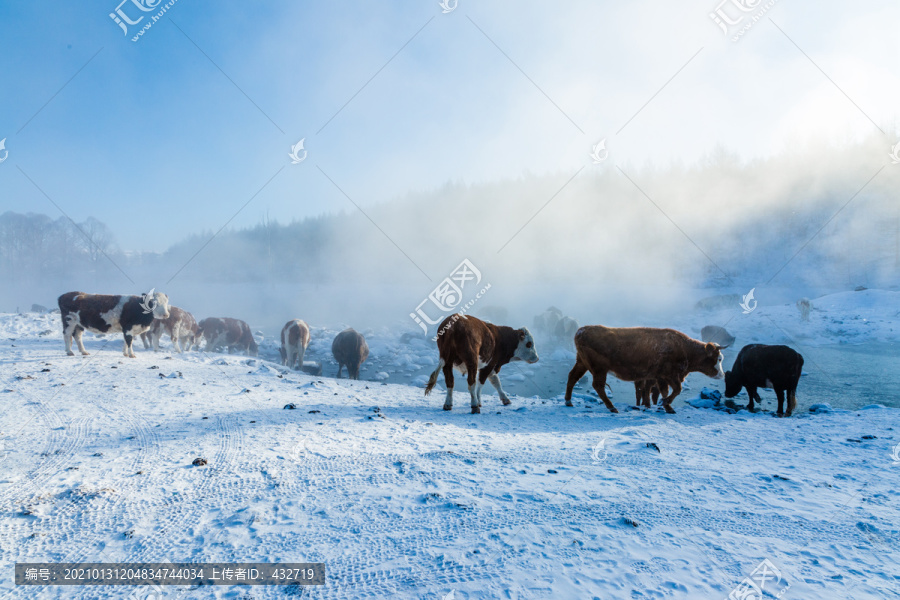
(190, 127)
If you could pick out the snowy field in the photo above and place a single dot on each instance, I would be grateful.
(400, 499)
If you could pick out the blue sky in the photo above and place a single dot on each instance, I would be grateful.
(155, 140)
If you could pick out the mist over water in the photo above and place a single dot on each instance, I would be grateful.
(615, 245)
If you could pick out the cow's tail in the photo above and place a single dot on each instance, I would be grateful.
(432, 381)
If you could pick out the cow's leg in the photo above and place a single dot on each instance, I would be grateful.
(575, 375)
(340, 367)
(638, 393)
(175, 335)
(178, 339)
(79, 330)
(650, 386)
(751, 393)
(68, 330)
(448, 381)
(791, 401)
(779, 393)
(145, 338)
(472, 380)
(494, 378)
(301, 353)
(599, 384)
(667, 399)
(659, 389)
(126, 348)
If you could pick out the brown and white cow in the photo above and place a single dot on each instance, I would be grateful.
(664, 356)
(105, 313)
(181, 327)
(227, 332)
(294, 341)
(470, 344)
(351, 350)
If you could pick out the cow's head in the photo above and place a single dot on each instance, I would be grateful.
(711, 364)
(732, 384)
(156, 303)
(525, 348)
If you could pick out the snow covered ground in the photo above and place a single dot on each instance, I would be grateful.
(400, 499)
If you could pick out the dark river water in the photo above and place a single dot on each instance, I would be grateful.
(844, 376)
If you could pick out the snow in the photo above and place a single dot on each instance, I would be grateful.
(845, 317)
(401, 499)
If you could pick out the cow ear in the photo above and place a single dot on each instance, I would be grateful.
(521, 334)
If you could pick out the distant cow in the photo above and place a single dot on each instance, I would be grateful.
(718, 302)
(180, 326)
(665, 356)
(103, 313)
(351, 350)
(762, 366)
(470, 344)
(226, 332)
(545, 323)
(565, 329)
(38, 308)
(717, 335)
(294, 341)
(804, 306)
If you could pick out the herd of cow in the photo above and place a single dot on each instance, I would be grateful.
(656, 360)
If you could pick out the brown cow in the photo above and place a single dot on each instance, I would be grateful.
(294, 341)
(224, 331)
(470, 344)
(103, 313)
(180, 326)
(640, 353)
(349, 348)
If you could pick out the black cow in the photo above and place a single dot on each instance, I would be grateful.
(762, 366)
